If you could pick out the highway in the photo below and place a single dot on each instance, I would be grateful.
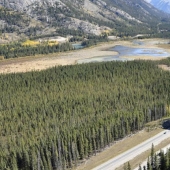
(144, 163)
(133, 152)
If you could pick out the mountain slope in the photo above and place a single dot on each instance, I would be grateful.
(90, 16)
(163, 5)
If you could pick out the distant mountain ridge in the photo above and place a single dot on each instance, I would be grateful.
(163, 5)
(89, 16)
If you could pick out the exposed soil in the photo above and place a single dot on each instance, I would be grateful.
(164, 67)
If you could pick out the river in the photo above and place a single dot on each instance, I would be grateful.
(126, 53)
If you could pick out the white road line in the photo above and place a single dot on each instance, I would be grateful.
(144, 163)
(132, 153)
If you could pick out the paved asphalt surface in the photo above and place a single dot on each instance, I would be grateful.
(132, 153)
(144, 163)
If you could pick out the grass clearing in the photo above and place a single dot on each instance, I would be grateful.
(51, 43)
(165, 46)
(1, 57)
(154, 124)
(164, 67)
(36, 43)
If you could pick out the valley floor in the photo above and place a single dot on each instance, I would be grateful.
(41, 62)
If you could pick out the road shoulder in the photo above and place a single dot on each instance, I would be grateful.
(118, 148)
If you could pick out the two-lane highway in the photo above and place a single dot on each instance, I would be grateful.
(132, 153)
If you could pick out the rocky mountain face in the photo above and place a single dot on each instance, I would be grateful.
(163, 5)
(26, 5)
(89, 16)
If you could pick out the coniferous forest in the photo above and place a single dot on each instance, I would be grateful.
(15, 50)
(52, 119)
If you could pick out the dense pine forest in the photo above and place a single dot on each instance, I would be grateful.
(53, 119)
(14, 50)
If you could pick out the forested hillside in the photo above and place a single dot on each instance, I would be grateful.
(54, 118)
(120, 18)
(11, 21)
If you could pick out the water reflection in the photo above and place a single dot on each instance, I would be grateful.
(77, 46)
(127, 51)
(102, 59)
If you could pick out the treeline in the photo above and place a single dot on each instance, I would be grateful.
(14, 50)
(51, 120)
(18, 50)
(93, 40)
